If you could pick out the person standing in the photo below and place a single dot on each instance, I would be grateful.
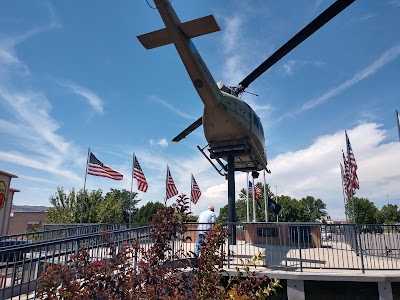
(206, 222)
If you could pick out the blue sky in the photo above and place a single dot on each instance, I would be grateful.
(73, 76)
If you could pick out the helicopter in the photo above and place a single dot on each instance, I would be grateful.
(231, 126)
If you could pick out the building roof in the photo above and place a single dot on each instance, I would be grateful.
(8, 174)
(13, 190)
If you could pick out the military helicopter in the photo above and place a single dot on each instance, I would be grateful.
(231, 127)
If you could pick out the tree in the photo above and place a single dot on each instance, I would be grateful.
(118, 205)
(388, 214)
(315, 208)
(91, 207)
(145, 214)
(365, 211)
(64, 207)
(308, 209)
(292, 210)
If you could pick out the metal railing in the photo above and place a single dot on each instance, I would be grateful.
(284, 246)
(21, 264)
(56, 231)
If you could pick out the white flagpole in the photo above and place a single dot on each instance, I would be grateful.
(247, 194)
(254, 203)
(191, 188)
(344, 194)
(84, 185)
(398, 122)
(265, 199)
(130, 201)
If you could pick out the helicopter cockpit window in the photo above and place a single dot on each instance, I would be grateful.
(261, 129)
(256, 121)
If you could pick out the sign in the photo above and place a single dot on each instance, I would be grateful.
(2, 194)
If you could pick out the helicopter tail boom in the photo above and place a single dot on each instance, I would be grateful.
(190, 29)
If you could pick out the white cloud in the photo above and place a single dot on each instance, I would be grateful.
(161, 142)
(288, 66)
(384, 59)
(92, 99)
(315, 170)
(172, 108)
(28, 122)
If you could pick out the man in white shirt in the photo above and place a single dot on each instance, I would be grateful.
(206, 222)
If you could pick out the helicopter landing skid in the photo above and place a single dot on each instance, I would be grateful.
(223, 171)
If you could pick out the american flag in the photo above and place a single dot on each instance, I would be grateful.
(139, 175)
(258, 192)
(97, 168)
(349, 190)
(170, 186)
(195, 191)
(352, 165)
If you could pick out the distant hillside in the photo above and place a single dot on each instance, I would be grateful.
(28, 208)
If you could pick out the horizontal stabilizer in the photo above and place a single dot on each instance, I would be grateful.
(190, 29)
(188, 130)
(201, 26)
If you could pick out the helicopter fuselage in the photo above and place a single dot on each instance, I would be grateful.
(230, 125)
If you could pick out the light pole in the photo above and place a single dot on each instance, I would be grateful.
(276, 199)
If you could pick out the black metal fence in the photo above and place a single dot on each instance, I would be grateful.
(284, 246)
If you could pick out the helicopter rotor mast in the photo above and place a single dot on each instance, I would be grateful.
(332, 11)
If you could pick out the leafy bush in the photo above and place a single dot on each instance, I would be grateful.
(156, 272)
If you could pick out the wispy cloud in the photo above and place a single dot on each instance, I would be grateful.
(290, 65)
(39, 164)
(160, 142)
(384, 59)
(395, 3)
(233, 69)
(230, 36)
(363, 18)
(92, 99)
(28, 122)
(172, 108)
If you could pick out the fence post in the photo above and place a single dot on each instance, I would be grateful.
(357, 231)
(361, 250)
(298, 241)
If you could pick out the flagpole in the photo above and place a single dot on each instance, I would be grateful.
(84, 185)
(265, 198)
(344, 195)
(247, 194)
(254, 202)
(166, 186)
(191, 188)
(130, 200)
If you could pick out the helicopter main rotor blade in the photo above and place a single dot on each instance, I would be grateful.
(303, 34)
(188, 130)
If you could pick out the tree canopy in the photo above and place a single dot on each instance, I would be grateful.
(146, 213)
(94, 207)
(307, 209)
(365, 211)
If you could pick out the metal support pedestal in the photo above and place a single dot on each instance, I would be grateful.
(231, 199)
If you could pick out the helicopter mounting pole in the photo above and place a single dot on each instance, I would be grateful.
(247, 198)
(231, 197)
